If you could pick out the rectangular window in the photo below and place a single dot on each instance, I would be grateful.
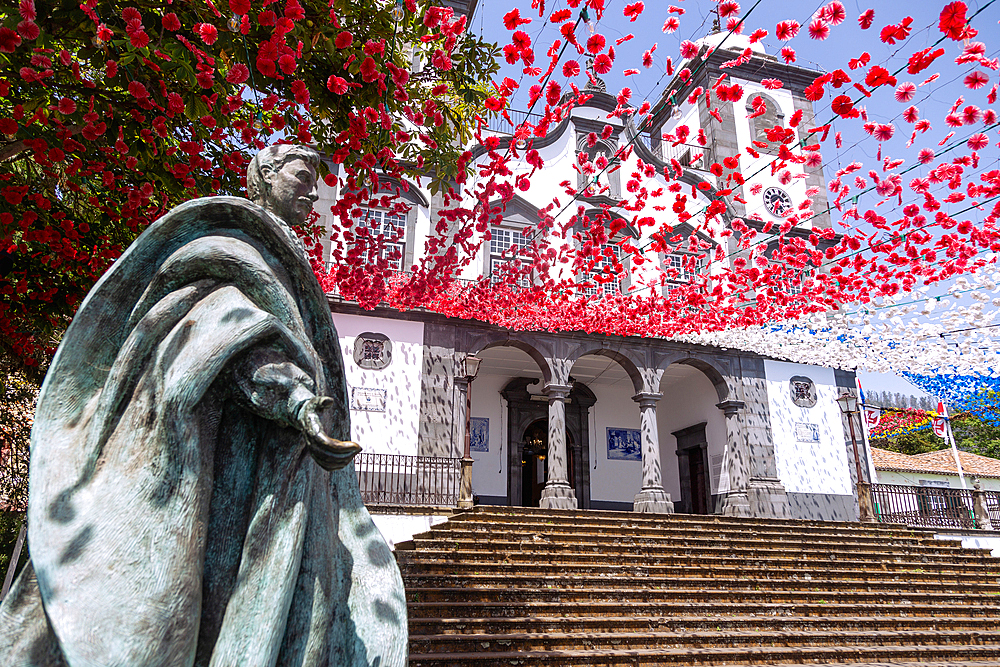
(392, 228)
(505, 246)
(610, 252)
(686, 266)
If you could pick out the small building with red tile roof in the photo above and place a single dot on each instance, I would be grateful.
(935, 469)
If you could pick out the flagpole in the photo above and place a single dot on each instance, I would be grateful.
(872, 473)
(951, 438)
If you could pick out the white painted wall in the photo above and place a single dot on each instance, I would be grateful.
(991, 542)
(688, 401)
(396, 528)
(820, 467)
(489, 472)
(612, 480)
(395, 430)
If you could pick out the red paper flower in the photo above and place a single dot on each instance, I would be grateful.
(137, 90)
(788, 54)
(139, 40)
(28, 30)
(595, 44)
(337, 85)
(171, 22)
(27, 10)
(952, 20)
(978, 141)
(878, 76)
(131, 14)
(633, 11)
(239, 7)
(910, 114)
(976, 80)
(836, 12)
(786, 30)
(884, 131)
(842, 105)
(512, 19)
(671, 24)
(66, 106)
(602, 63)
(571, 68)
(771, 84)
(728, 8)
(209, 33)
(688, 49)
(819, 30)
(866, 19)
(905, 91)
(238, 74)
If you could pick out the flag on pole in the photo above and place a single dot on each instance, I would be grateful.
(866, 426)
(872, 417)
(949, 437)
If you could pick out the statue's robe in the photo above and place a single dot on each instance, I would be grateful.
(175, 516)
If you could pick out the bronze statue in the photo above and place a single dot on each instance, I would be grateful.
(193, 499)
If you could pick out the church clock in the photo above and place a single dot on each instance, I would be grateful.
(777, 202)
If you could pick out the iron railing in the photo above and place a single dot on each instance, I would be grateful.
(397, 479)
(992, 502)
(927, 506)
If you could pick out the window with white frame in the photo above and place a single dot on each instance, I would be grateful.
(682, 267)
(611, 255)
(386, 234)
(506, 245)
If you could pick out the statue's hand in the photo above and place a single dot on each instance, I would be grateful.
(329, 453)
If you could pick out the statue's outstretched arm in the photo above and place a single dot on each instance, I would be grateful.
(278, 389)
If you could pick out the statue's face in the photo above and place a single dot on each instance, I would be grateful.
(293, 191)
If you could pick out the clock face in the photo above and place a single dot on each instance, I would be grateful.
(777, 202)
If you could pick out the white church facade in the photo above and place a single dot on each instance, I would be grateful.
(591, 421)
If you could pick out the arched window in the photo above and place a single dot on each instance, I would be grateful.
(601, 153)
(759, 126)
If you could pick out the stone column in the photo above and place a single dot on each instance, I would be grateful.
(558, 494)
(738, 457)
(652, 498)
(463, 386)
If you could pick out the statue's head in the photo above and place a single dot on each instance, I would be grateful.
(282, 179)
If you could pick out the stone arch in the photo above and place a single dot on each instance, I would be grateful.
(502, 339)
(710, 371)
(773, 116)
(629, 365)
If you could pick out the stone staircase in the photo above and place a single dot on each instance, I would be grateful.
(522, 586)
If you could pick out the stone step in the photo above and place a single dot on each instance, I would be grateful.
(688, 622)
(624, 608)
(841, 531)
(746, 593)
(901, 573)
(854, 655)
(725, 562)
(555, 641)
(567, 582)
(652, 547)
(562, 532)
(528, 515)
